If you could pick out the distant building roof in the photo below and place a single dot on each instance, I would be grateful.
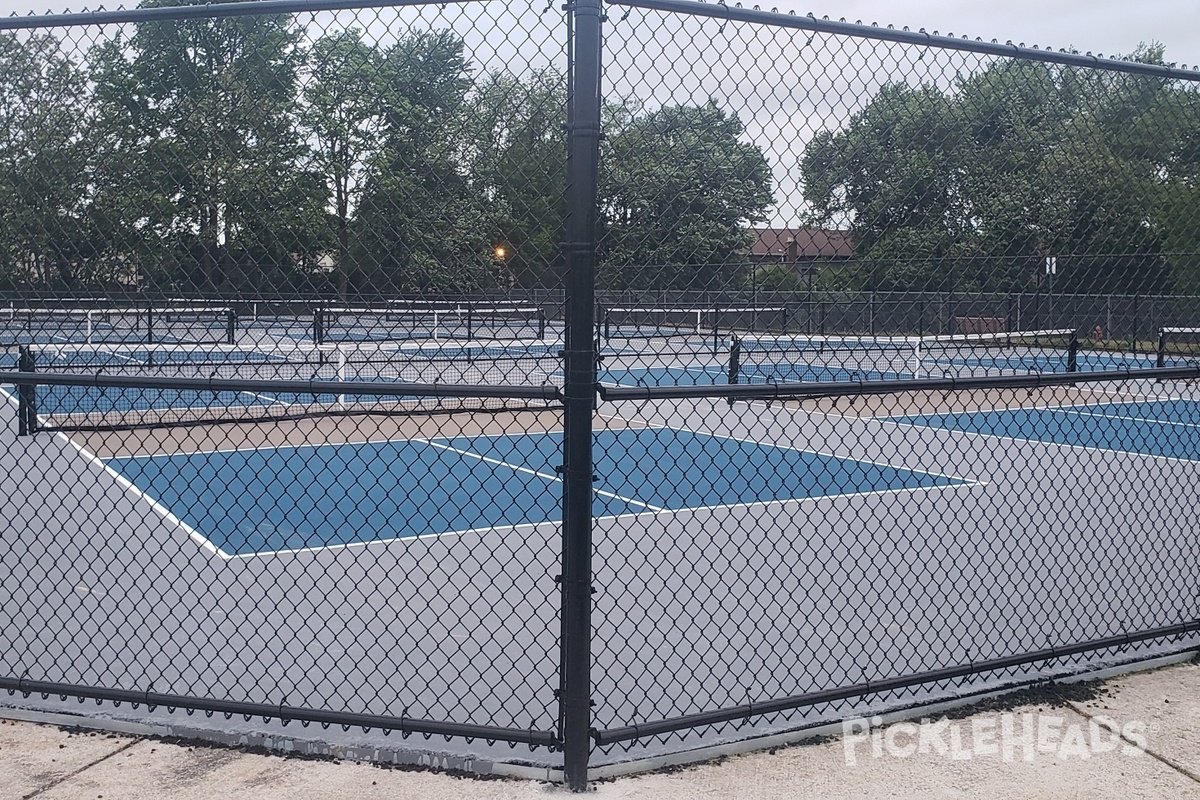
(790, 244)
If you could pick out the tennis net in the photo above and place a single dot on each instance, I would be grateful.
(407, 322)
(128, 325)
(668, 322)
(90, 407)
(772, 360)
(1178, 347)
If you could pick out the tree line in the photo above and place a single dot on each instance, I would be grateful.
(242, 154)
(236, 154)
(974, 186)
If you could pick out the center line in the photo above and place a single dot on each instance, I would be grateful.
(544, 476)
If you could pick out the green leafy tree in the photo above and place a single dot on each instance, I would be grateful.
(970, 188)
(678, 187)
(344, 115)
(43, 231)
(519, 166)
(201, 119)
(421, 225)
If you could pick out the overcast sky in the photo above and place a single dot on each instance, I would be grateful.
(1105, 26)
(798, 89)
(1102, 26)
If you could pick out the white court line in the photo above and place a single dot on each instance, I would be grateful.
(527, 470)
(271, 401)
(795, 450)
(1150, 400)
(162, 510)
(1065, 410)
(1042, 442)
(526, 527)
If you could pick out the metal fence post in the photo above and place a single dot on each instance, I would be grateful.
(583, 154)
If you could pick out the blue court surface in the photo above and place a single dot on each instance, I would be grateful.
(1167, 428)
(327, 495)
(664, 376)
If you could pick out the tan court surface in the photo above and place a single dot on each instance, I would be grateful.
(1156, 755)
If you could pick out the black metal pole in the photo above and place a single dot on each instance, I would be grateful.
(579, 391)
(26, 394)
(735, 363)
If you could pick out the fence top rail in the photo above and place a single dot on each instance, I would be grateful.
(547, 392)
(723, 11)
(202, 11)
(803, 391)
(693, 309)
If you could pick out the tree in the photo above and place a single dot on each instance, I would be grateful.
(519, 166)
(344, 116)
(43, 235)
(969, 188)
(200, 116)
(677, 189)
(421, 225)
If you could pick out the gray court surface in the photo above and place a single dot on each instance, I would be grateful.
(703, 609)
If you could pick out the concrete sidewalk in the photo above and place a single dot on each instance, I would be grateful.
(1133, 736)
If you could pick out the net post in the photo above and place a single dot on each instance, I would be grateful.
(716, 331)
(91, 326)
(579, 389)
(26, 394)
(318, 325)
(341, 373)
(735, 364)
(1073, 353)
(149, 323)
(470, 323)
(1160, 360)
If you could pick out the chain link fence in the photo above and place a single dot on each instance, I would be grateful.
(613, 382)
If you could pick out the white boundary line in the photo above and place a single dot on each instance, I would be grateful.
(902, 421)
(1150, 400)
(162, 510)
(794, 450)
(1127, 419)
(955, 482)
(531, 526)
(1042, 442)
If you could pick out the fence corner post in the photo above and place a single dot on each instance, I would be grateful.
(579, 390)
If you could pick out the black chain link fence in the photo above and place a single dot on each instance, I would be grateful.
(442, 370)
